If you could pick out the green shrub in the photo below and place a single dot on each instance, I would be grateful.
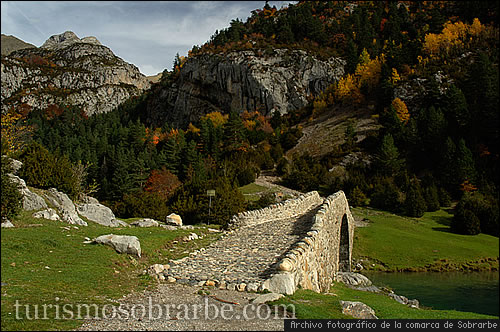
(415, 205)
(264, 200)
(142, 204)
(386, 195)
(431, 198)
(11, 197)
(357, 197)
(246, 176)
(444, 198)
(465, 221)
(484, 207)
(42, 169)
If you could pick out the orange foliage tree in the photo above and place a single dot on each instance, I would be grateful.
(162, 182)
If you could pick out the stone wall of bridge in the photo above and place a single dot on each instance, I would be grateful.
(325, 250)
(288, 209)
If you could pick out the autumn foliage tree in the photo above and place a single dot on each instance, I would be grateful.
(162, 182)
(401, 110)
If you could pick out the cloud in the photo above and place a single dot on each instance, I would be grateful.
(145, 33)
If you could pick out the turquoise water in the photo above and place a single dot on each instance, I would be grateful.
(472, 292)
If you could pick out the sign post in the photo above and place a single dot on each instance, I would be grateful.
(210, 194)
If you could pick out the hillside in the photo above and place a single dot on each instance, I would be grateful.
(11, 44)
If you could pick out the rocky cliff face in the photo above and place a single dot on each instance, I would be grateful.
(69, 70)
(244, 80)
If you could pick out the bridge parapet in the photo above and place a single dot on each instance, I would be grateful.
(325, 250)
(288, 209)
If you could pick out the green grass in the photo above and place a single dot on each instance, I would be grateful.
(311, 305)
(397, 243)
(252, 188)
(251, 191)
(77, 273)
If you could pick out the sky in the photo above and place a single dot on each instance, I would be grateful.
(147, 34)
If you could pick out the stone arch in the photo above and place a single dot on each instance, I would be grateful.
(344, 246)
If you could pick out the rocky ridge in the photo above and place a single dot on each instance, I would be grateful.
(69, 70)
(243, 80)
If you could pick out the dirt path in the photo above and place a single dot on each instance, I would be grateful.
(176, 307)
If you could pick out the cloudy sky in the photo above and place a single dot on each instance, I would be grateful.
(145, 33)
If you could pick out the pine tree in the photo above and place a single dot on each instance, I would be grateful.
(415, 203)
(388, 159)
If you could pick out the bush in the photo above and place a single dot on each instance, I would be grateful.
(386, 195)
(465, 221)
(484, 207)
(357, 197)
(246, 176)
(42, 169)
(192, 203)
(415, 205)
(264, 200)
(142, 204)
(431, 198)
(444, 198)
(11, 197)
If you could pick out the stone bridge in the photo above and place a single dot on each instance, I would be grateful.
(300, 242)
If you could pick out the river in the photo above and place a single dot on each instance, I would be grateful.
(473, 291)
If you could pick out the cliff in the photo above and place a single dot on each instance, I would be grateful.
(69, 70)
(243, 80)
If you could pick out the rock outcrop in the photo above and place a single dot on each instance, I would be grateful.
(244, 80)
(31, 201)
(65, 206)
(69, 70)
(98, 213)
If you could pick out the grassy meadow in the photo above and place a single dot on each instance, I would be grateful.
(46, 262)
(397, 243)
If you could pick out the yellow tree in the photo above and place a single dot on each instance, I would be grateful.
(217, 118)
(401, 110)
(15, 132)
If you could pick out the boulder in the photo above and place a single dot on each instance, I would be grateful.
(15, 165)
(404, 300)
(6, 223)
(49, 214)
(100, 214)
(121, 243)
(146, 222)
(353, 279)
(65, 206)
(31, 201)
(282, 283)
(174, 220)
(269, 297)
(357, 310)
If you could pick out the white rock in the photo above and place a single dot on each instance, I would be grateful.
(146, 222)
(65, 206)
(282, 283)
(174, 220)
(121, 243)
(269, 297)
(49, 214)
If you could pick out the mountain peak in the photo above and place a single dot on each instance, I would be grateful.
(67, 38)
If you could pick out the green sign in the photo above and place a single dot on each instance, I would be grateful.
(211, 193)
